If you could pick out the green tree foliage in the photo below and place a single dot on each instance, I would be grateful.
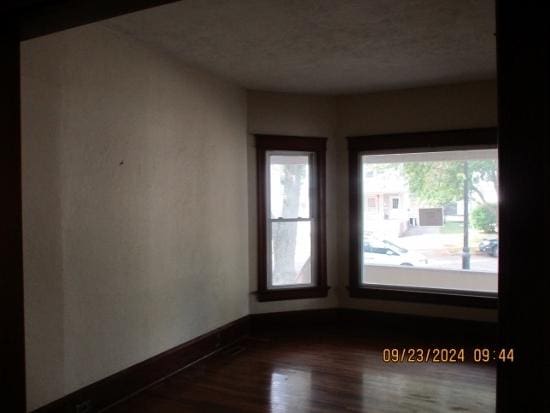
(436, 182)
(484, 218)
(442, 182)
(484, 170)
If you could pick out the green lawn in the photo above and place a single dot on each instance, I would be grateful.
(457, 228)
(452, 228)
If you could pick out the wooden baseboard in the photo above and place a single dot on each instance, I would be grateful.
(335, 320)
(426, 328)
(380, 324)
(137, 377)
(293, 319)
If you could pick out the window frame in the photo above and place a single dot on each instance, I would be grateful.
(395, 205)
(281, 143)
(432, 141)
(312, 213)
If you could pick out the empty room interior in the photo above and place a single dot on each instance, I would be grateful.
(263, 206)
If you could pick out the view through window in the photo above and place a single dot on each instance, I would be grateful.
(430, 220)
(290, 218)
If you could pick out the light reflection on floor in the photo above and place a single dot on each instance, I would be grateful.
(408, 391)
(290, 391)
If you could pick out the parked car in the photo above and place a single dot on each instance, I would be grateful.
(385, 252)
(489, 246)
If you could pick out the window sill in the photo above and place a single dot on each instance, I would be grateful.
(291, 293)
(430, 296)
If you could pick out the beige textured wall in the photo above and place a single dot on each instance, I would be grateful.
(467, 105)
(458, 106)
(128, 158)
(134, 204)
(295, 115)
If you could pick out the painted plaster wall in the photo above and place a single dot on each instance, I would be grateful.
(134, 203)
(127, 158)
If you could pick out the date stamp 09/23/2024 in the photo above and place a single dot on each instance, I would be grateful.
(447, 355)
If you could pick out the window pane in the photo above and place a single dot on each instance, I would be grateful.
(289, 185)
(291, 253)
(432, 218)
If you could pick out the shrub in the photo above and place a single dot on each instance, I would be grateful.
(484, 218)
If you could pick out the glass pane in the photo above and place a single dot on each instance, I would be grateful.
(289, 185)
(291, 253)
(431, 217)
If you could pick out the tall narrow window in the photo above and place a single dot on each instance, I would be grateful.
(291, 219)
(434, 235)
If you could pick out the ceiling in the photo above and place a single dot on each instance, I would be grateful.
(325, 46)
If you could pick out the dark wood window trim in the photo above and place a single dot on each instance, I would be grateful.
(265, 143)
(481, 138)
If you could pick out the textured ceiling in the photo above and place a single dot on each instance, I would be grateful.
(325, 46)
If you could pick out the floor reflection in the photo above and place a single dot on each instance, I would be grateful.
(318, 374)
(290, 391)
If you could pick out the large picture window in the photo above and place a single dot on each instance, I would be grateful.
(424, 216)
(291, 253)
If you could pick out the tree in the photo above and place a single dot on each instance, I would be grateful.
(284, 233)
(442, 182)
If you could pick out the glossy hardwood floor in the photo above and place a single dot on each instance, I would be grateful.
(290, 372)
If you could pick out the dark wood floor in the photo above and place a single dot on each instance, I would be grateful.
(317, 373)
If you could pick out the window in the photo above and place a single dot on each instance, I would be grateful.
(371, 203)
(291, 217)
(395, 203)
(436, 237)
